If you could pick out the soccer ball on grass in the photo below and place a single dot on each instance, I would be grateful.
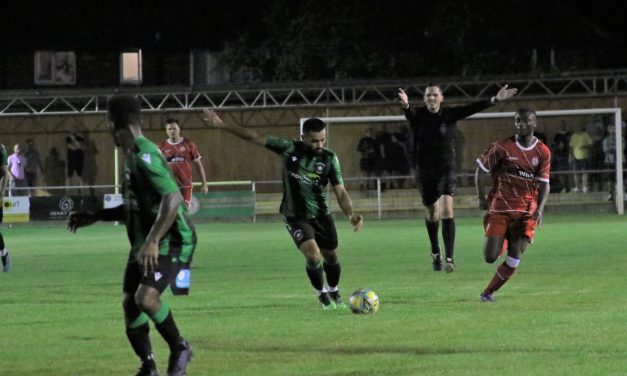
(364, 301)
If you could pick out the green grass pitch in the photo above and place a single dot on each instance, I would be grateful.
(252, 312)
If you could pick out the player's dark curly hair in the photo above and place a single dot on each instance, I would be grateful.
(173, 120)
(313, 125)
(123, 110)
(525, 111)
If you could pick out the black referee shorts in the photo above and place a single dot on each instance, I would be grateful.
(434, 182)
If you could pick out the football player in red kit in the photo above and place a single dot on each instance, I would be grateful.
(180, 153)
(520, 167)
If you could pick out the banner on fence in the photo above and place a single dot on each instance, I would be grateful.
(59, 207)
(15, 209)
(228, 204)
(112, 200)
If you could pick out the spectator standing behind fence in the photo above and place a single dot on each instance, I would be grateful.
(16, 164)
(75, 158)
(54, 168)
(560, 150)
(383, 165)
(33, 163)
(399, 163)
(609, 162)
(90, 166)
(596, 131)
(367, 162)
(580, 143)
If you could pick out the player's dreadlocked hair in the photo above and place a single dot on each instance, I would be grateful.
(123, 110)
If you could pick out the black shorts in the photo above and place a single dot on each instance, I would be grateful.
(367, 165)
(435, 182)
(322, 230)
(1, 210)
(75, 166)
(160, 278)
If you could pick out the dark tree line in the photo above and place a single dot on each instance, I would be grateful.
(331, 40)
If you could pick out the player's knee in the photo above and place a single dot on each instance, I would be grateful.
(313, 259)
(490, 258)
(147, 302)
(433, 217)
(330, 257)
(491, 254)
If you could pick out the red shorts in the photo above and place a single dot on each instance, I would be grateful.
(509, 225)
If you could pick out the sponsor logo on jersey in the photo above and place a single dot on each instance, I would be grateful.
(310, 178)
(176, 159)
(512, 158)
(525, 174)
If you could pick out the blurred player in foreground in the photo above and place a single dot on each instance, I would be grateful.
(160, 232)
(4, 178)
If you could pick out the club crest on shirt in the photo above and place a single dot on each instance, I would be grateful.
(182, 149)
(298, 234)
(146, 158)
(534, 161)
(319, 167)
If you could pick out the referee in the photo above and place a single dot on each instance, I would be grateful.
(433, 127)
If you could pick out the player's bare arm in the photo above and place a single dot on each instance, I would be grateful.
(80, 219)
(149, 251)
(504, 93)
(211, 118)
(83, 218)
(402, 96)
(201, 171)
(346, 204)
(480, 185)
(543, 195)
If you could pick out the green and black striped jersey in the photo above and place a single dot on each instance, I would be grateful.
(147, 178)
(305, 176)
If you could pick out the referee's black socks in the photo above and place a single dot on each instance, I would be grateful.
(432, 230)
(448, 234)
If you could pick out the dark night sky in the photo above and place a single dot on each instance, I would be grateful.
(111, 25)
(114, 24)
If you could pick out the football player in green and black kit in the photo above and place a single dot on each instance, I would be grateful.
(4, 178)
(161, 234)
(307, 169)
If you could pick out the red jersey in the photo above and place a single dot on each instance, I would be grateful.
(515, 171)
(180, 157)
